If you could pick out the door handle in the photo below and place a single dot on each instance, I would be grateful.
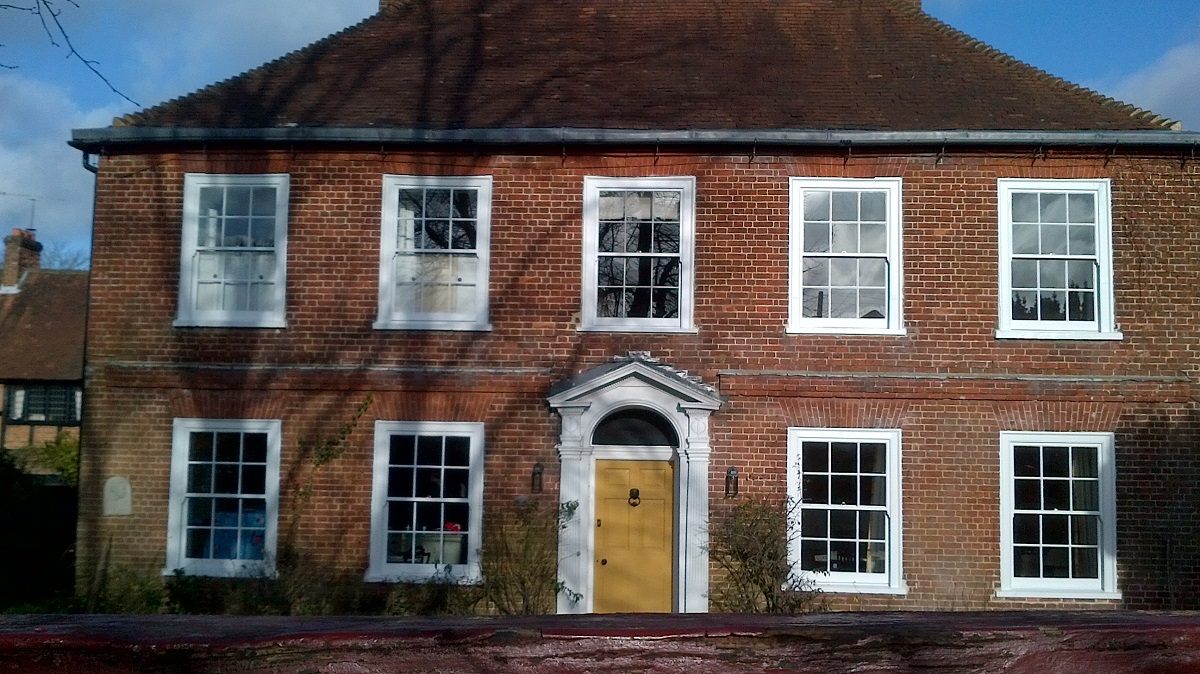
(604, 562)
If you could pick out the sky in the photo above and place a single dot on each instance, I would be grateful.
(1143, 52)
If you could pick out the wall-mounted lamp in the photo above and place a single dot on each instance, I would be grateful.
(731, 482)
(535, 479)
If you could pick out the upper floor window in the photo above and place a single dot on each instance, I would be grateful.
(1058, 531)
(846, 521)
(845, 271)
(234, 250)
(224, 497)
(426, 500)
(50, 404)
(637, 254)
(1056, 274)
(434, 254)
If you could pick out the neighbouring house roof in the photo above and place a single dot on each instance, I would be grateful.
(879, 65)
(42, 326)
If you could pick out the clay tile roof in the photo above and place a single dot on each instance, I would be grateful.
(42, 326)
(643, 64)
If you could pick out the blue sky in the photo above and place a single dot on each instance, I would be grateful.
(1144, 52)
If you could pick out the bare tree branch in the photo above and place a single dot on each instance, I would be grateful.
(48, 14)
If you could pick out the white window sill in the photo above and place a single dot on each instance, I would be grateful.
(456, 326)
(638, 328)
(1048, 593)
(1079, 335)
(267, 322)
(215, 568)
(457, 574)
(830, 330)
(862, 588)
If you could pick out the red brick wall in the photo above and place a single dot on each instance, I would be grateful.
(139, 379)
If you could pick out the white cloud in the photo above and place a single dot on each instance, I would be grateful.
(1170, 86)
(35, 162)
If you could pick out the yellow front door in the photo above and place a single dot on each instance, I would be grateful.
(633, 565)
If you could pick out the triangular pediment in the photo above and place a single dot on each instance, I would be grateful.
(637, 369)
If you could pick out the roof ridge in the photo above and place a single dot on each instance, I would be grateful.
(1009, 60)
(133, 118)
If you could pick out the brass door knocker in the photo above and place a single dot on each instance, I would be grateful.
(635, 498)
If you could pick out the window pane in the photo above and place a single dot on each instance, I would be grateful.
(872, 525)
(1056, 495)
(816, 303)
(1055, 461)
(263, 202)
(843, 490)
(1026, 562)
(400, 482)
(845, 238)
(402, 450)
(1026, 529)
(1085, 563)
(843, 303)
(1024, 207)
(225, 479)
(845, 206)
(814, 555)
(1026, 239)
(815, 457)
(254, 479)
(1079, 274)
(197, 544)
(815, 489)
(816, 271)
(1028, 494)
(639, 205)
(816, 237)
(874, 206)
(1082, 239)
(1084, 462)
(612, 206)
(814, 523)
(1085, 529)
(1081, 306)
(1024, 305)
(1054, 530)
(199, 512)
(843, 524)
(873, 238)
(1055, 563)
(666, 206)
(1086, 495)
(872, 304)
(1082, 207)
(435, 235)
(844, 272)
(1024, 273)
(1052, 306)
(201, 446)
(200, 479)
(843, 457)
(873, 491)
(463, 235)
(254, 447)
(666, 237)
(842, 556)
(262, 232)
(873, 457)
(1054, 240)
(816, 205)
(1053, 207)
(872, 272)
(466, 204)
(437, 203)
(1052, 273)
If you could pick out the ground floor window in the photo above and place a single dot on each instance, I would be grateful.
(427, 497)
(224, 497)
(1057, 515)
(844, 496)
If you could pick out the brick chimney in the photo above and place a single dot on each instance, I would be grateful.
(21, 253)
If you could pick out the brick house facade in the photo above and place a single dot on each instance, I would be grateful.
(924, 310)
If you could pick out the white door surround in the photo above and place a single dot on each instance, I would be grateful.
(634, 381)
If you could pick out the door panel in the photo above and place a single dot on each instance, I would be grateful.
(633, 565)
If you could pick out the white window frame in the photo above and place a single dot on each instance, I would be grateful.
(891, 582)
(188, 315)
(176, 517)
(389, 318)
(1104, 326)
(592, 186)
(378, 568)
(893, 323)
(1104, 587)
